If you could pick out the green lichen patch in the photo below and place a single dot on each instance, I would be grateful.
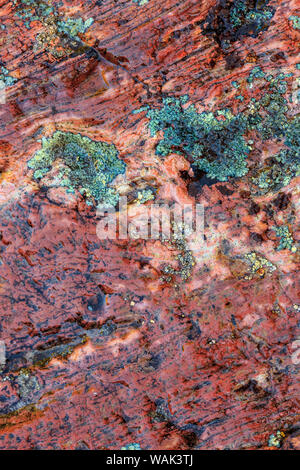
(60, 37)
(39, 10)
(59, 32)
(185, 259)
(79, 163)
(28, 386)
(6, 79)
(217, 143)
(275, 440)
(140, 2)
(145, 195)
(256, 72)
(295, 19)
(274, 124)
(229, 20)
(278, 171)
(214, 143)
(258, 265)
(131, 446)
(32, 10)
(286, 241)
(73, 26)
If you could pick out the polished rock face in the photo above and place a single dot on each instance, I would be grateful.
(143, 342)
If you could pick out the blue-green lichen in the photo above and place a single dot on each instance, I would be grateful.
(132, 446)
(5, 78)
(217, 144)
(229, 20)
(286, 241)
(79, 163)
(272, 123)
(140, 2)
(214, 141)
(278, 171)
(242, 15)
(39, 10)
(275, 440)
(256, 72)
(73, 26)
(32, 10)
(295, 19)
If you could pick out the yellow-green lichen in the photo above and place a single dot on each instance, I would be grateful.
(144, 195)
(258, 265)
(77, 162)
(185, 259)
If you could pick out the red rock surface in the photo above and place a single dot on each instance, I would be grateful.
(198, 363)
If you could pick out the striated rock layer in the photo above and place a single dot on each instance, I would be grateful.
(155, 344)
